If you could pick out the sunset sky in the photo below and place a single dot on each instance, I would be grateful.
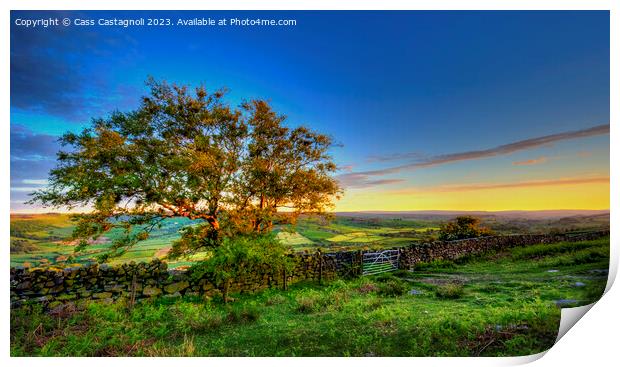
(430, 110)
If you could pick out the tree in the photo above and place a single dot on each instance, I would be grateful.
(463, 227)
(244, 256)
(184, 154)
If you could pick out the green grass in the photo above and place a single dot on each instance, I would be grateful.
(502, 304)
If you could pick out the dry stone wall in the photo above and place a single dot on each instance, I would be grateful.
(137, 281)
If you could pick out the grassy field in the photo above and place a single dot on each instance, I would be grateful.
(500, 304)
(41, 239)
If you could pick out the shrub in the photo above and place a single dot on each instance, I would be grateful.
(392, 288)
(385, 277)
(449, 291)
(242, 256)
(245, 314)
(463, 227)
(309, 301)
(368, 288)
(275, 300)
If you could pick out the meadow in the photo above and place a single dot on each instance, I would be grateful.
(499, 304)
(41, 239)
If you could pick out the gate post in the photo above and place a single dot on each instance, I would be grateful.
(360, 262)
(320, 266)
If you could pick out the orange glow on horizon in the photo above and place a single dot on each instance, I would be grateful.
(592, 195)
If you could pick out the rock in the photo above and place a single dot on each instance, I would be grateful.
(174, 295)
(102, 295)
(176, 287)
(23, 285)
(552, 271)
(150, 291)
(115, 288)
(66, 297)
(44, 299)
(579, 284)
(565, 302)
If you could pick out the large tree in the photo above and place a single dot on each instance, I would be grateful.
(188, 153)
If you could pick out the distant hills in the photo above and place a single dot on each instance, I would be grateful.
(507, 214)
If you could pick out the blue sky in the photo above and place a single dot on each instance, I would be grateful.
(394, 88)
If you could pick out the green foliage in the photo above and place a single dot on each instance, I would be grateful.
(463, 227)
(449, 291)
(508, 310)
(542, 250)
(435, 264)
(189, 154)
(246, 313)
(393, 288)
(241, 257)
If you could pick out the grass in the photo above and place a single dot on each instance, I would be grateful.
(502, 304)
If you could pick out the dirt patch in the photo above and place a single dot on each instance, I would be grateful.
(457, 279)
(99, 241)
(163, 251)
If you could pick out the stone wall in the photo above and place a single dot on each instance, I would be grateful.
(451, 250)
(134, 282)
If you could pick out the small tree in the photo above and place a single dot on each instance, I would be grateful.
(184, 154)
(463, 227)
(244, 256)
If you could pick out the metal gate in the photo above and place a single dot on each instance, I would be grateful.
(379, 262)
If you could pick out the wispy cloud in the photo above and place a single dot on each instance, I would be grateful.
(505, 149)
(395, 157)
(505, 185)
(351, 180)
(34, 182)
(24, 189)
(530, 162)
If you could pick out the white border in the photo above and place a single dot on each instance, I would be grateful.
(591, 342)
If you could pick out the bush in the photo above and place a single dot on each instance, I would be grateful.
(449, 291)
(368, 288)
(309, 301)
(393, 288)
(246, 314)
(385, 277)
(241, 257)
(275, 300)
(463, 227)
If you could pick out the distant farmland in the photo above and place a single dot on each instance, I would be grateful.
(43, 239)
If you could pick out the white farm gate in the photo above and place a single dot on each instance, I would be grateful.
(380, 262)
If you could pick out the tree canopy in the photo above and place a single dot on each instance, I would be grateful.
(187, 153)
(463, 227)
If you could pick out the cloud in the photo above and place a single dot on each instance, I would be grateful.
(530, 162)
(395, 157)
(35, 182)
(24, 189)
(478, 154)
(33, 155)
(506, 185)
(357, 182)
(65, 71)
(27, 145)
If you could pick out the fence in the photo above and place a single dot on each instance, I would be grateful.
(380, 262)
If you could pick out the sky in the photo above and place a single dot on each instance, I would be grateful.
(441, 110)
